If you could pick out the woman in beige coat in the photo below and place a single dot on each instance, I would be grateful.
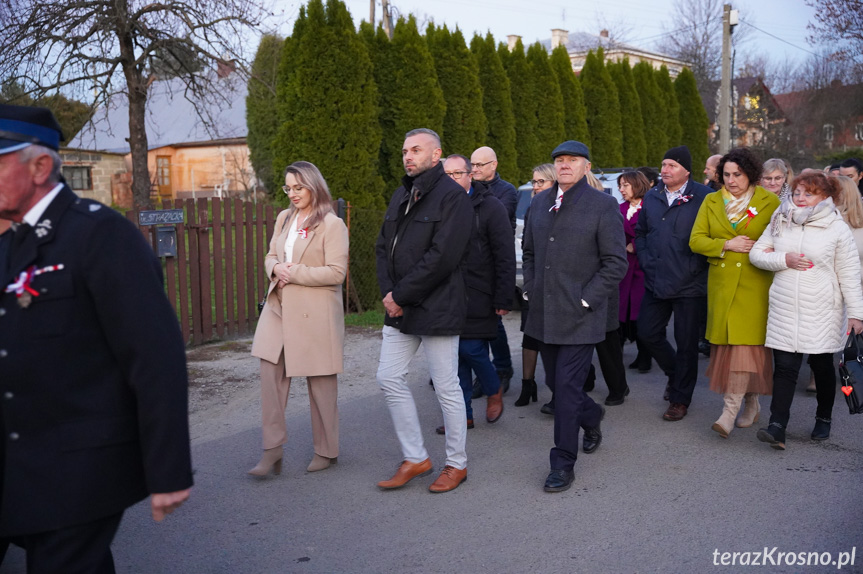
(301, 330)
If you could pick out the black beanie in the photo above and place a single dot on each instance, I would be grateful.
(681, 156)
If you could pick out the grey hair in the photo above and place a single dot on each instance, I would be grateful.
(775, 164)
(467, 163)
(34, 150)
(426, 131)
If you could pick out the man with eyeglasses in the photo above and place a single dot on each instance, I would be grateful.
(489, 275)
(420, 253)
(573, 260)
(484, 172)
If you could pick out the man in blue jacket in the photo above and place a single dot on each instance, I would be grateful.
(675, 278)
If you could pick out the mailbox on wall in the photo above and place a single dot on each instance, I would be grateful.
(165, 221)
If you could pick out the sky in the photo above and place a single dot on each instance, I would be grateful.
(646, 20)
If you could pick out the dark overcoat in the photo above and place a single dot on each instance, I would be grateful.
(670, 267)
(504, 191)
(93, 385)
(490, 266)
(419, 254)
(573, 254)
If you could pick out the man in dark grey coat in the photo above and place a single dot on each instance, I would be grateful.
(574, 257)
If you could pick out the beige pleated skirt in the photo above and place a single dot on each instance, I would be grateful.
(741, 369)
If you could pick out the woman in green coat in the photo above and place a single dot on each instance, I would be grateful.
(728, 224)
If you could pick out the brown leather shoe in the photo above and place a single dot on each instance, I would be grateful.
(407, 471)
(442, 429)
(450, 477)
(494, 406)
(675, 412)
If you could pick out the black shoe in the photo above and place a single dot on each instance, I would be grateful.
(504, 380)
(559, 480)
(528, 392)
(592, 436)
(704, 347)
(774, 435)
(613, 400)
(822, 429)
(590, 383)
(431, 383)
(548, 408)
(477, 389)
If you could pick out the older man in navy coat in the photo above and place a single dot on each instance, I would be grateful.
(574, 257)
(93, 388)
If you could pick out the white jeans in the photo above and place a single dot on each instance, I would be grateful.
(397, 350)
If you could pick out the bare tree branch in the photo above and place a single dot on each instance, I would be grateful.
(97, 49)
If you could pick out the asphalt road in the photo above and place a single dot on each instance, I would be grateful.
(656, 496)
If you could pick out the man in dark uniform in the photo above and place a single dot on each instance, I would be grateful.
(93, 385)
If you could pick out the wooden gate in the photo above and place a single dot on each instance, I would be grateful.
(217, 278)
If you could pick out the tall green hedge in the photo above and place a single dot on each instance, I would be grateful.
(634, 144)
(411, 96)
(497, 105)
(603, 112)
(524, 107)
(671, 115)
(549, 103)
(329, 114)
(464, 123)
(693, 120)
(260, 103)
(574, 113)
(651, 112)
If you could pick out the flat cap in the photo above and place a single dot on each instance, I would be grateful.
(571, 147)
(21, 126)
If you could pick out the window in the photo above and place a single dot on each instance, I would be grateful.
(858, 132)
(828, 132)
(78, 177)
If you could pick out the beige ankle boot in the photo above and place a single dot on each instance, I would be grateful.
(749, 414)
(725, 424)
(271, 459)
(320, 463)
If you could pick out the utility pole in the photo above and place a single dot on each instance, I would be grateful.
(372, 13)
(387, 18)
(726, 101)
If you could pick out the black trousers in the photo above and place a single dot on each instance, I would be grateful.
(81, 549)
(786, 366)
(680, 365)
(610, 354)
(566, 368)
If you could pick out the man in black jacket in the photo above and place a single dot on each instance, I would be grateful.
(675, 278)
(484, 173)
(94, 415)
(419, 252)
(489, 275)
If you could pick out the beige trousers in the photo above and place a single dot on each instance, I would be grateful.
(323, 403)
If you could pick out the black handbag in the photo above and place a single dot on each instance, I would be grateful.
(851, 372)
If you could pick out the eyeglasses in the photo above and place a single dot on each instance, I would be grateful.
(296, 188)
(536, 182)
(456, 174)
(481, 165)
(777, 179)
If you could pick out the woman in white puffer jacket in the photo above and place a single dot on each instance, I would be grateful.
(816, 284)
